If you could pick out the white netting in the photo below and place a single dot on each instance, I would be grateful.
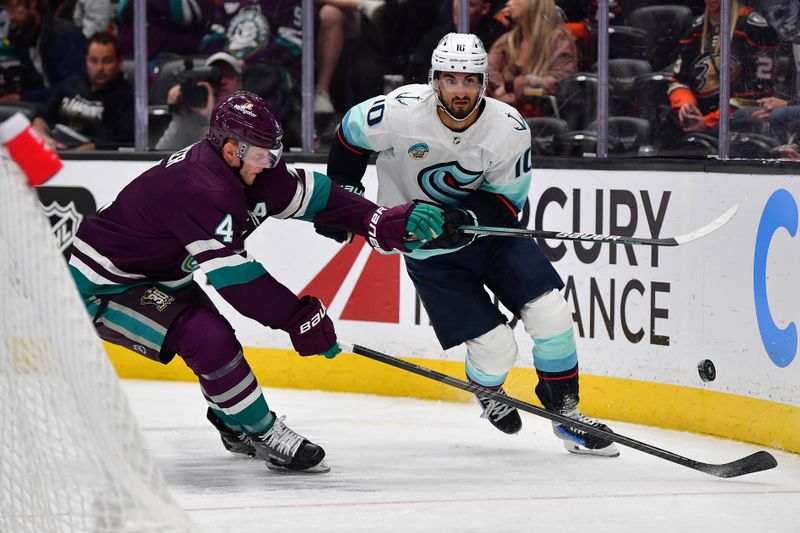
(71, 454)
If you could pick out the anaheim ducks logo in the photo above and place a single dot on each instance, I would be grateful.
(248, 32)
(707, 74)
(154, 296)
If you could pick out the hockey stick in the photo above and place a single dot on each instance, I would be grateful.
(596, 237)
(756, 462)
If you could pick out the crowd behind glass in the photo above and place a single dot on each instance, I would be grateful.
(68, 65)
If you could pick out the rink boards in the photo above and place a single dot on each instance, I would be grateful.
(644, 316)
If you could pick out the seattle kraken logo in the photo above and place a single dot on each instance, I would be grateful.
(447, 183)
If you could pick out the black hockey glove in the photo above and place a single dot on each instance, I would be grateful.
(339, 235)
(451, 237)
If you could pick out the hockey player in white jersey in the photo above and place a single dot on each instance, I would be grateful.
(445, 143)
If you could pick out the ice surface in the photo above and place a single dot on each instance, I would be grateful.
(399, 464)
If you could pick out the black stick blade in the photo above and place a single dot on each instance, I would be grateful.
(756, 462)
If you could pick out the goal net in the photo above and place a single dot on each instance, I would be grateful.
(71, 454)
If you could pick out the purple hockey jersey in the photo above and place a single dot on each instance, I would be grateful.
(192, 211)
(263, 31)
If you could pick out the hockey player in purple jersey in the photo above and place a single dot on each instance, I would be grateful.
(133, 264)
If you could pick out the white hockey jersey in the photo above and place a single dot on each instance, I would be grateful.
(419, 158)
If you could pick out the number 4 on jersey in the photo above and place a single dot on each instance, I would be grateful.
(225, 229)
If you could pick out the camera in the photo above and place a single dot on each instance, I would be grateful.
(193, 95)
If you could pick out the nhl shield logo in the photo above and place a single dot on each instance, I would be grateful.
(64, 220)
(155, 296)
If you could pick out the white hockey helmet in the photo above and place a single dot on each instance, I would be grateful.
(460, 52)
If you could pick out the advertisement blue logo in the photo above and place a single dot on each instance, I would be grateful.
(779, 212)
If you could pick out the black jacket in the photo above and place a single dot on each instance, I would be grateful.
(105, 115)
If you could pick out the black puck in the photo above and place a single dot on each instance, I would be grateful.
(706, 370)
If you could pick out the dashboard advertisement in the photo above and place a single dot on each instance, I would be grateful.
(730, 299)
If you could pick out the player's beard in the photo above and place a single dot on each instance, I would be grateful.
(461, 112)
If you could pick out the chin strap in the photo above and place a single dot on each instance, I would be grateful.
(239, 173)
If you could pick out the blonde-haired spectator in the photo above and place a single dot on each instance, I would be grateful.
(533, 58)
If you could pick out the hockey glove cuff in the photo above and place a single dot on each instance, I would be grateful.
(451, 236)
(333, 351)
(339, 235)
(310, 329)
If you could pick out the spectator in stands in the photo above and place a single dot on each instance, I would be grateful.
(91, 16)
(49, 49)
(5, 24)
(339, 20)
(790, 152)
(694, 90)
(533, 58)
(193, 100)
(486, 21)
(173, 28)
(258, 32)
(580, 18)
(777, 111)
(97, 106)
(784, 113)
(265, 36)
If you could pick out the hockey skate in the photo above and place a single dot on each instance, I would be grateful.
(286, 451)
(578, 441)
(503, 417)
(280, 448)
(234, 441)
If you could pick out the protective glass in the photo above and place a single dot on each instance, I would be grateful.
(263, 157)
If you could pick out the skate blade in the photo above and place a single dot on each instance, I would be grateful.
(321, 468)
(609, 451)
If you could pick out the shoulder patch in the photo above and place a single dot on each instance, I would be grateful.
(519, 124)
(406, 97)
(757, 20)
(419, 151)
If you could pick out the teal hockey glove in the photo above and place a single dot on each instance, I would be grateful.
(425, 223)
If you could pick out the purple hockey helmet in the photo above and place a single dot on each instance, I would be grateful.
(248, 119)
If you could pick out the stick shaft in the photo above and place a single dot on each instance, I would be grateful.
(597, 237)
(752, 463)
